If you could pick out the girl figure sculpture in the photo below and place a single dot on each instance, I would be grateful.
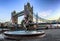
(26, 23)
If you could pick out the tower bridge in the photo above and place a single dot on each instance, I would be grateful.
(28, 10)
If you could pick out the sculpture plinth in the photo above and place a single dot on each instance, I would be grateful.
(17, 35)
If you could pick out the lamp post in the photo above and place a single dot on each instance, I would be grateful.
(37, 18)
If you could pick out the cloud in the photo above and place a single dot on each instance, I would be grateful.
(56, 14)
(45, 13)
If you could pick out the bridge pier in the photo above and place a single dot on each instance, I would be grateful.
(14, 19)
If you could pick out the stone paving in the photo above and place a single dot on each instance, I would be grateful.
(51, 35)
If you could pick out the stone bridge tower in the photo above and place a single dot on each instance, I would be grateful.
(28, 10)
(14, 17)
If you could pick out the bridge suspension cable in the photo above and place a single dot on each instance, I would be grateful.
(40, 19)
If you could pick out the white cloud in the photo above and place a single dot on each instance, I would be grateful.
(45, 13)
(56, 14)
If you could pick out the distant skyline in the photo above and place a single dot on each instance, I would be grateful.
(47, 9)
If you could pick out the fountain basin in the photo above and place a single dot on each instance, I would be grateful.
(23, 34)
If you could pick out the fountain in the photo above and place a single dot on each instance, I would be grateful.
(30, 29)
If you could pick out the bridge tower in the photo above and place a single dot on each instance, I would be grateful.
(28, 11)
(14, 17)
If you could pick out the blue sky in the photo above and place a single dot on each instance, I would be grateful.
(48, 9)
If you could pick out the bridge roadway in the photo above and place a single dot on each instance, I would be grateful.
(19, 13)
(44, 23)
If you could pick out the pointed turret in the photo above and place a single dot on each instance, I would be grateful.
(28, 4)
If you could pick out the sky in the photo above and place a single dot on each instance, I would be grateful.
(47, 9)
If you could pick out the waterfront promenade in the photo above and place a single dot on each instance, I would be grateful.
(51, 35)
